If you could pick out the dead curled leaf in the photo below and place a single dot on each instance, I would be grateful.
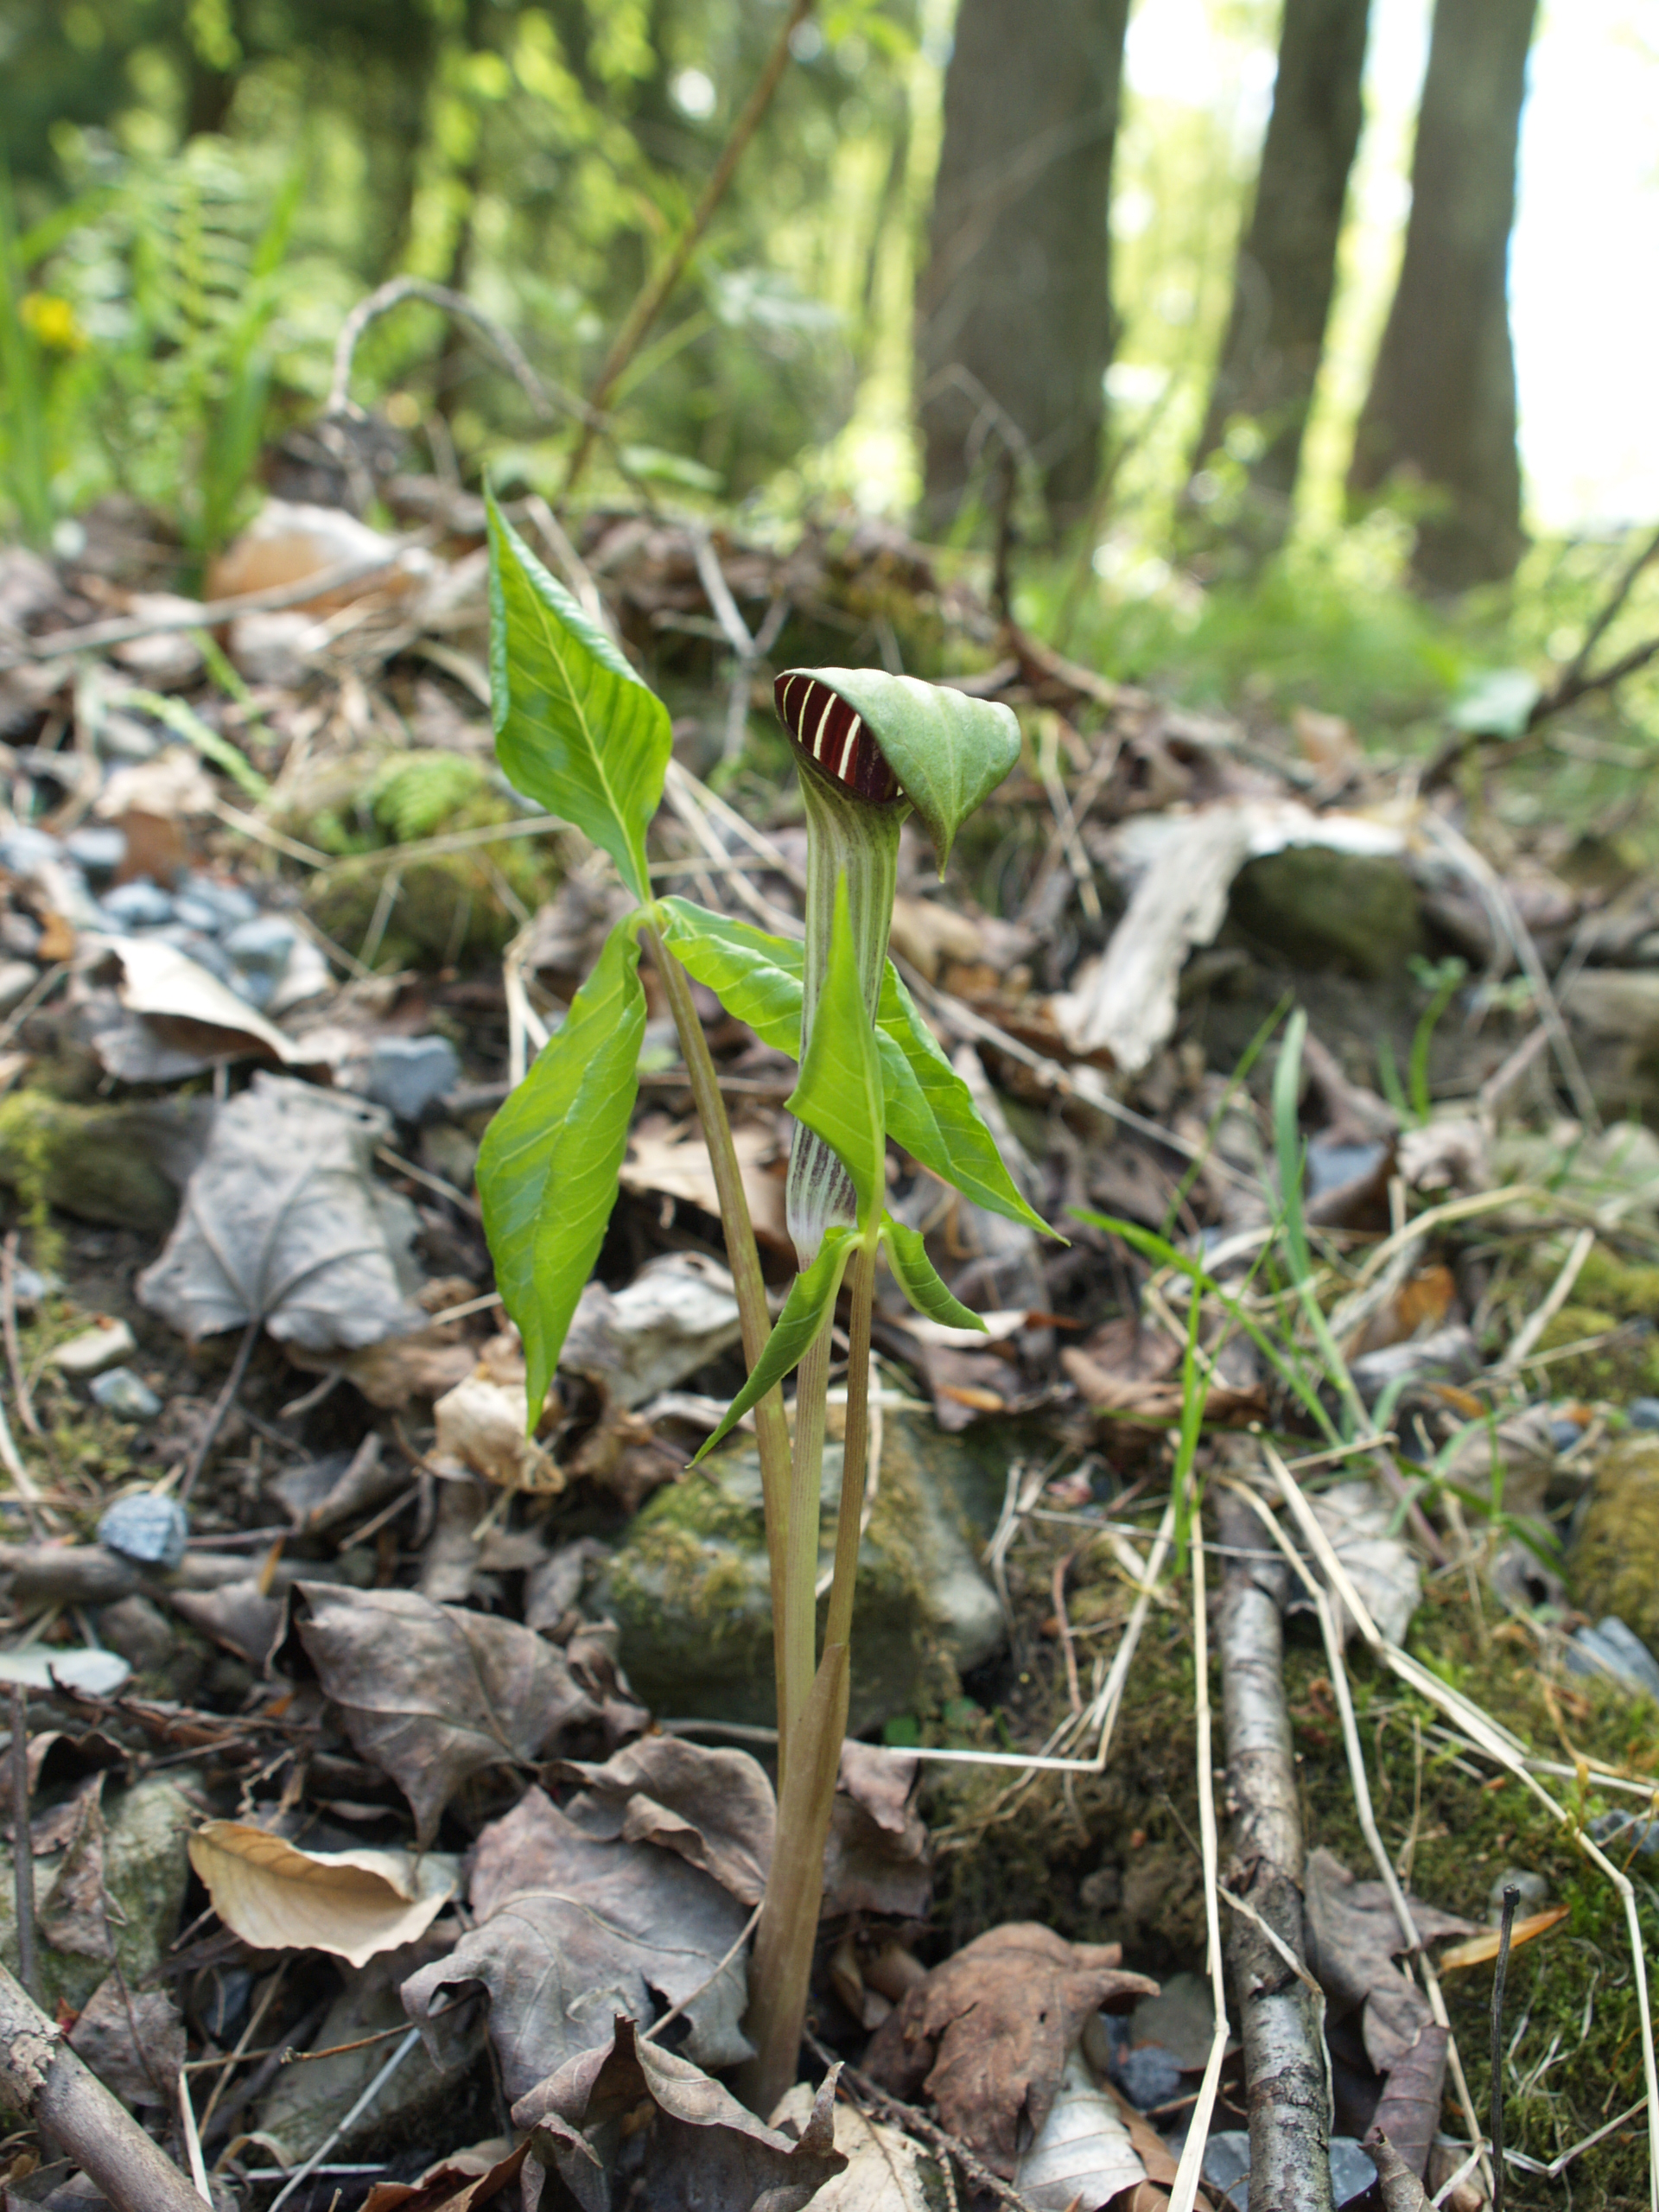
(282, 1223)
(133, 2040)
(876, 1858)
(434, 1694)
(1353, 1940)
(713, 1807)
(480, 1425)
(987, 2035)
(464, 2182)
(352, 1904)
(626, 2123)
(575, 1930)
(1481, 1949)
(1408, 2111)
(1083, 2152)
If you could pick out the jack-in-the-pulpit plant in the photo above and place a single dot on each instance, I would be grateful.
(578, 732)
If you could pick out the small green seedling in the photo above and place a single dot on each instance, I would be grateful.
(579, 733)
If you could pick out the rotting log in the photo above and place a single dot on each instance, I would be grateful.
(1286, 2072)
(42, 2077)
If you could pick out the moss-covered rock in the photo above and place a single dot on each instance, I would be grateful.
(1325, 909)
(447, 906)
(102, 1163)
(144, 1870)
(691, 1590)
(1615, 1565)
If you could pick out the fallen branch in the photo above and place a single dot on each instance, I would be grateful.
(43, 2078)
(1286, 2070)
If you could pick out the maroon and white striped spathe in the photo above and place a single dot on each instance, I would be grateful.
(833, 736)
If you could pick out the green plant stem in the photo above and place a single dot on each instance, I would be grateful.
(770, 1428)
(856, 1451)
(796, 1625)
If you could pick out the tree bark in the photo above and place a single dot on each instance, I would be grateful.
(1441, 407)
(1286, 267)
(1014, 324)
(42, 2077)
(1285, 2069)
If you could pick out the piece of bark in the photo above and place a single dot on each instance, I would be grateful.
(1281, 2014)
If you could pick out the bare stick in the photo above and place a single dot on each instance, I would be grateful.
(1511, 1898)
(654, 294)
(545, 399)
(22, 1841)
(1575, 679)
(222, 1405)
(14, 1351)
(42, 2077)
(1284, 2064)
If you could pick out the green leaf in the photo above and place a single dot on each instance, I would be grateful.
(918, 1278)
(807, 1310)
(575, 729)
(548, 1167)
(949, 752)
(839, 1095)
(930, 1109)
(755, 976)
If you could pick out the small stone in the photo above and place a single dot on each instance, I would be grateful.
(107, 1343)
(1351, 2171)
(22, 849)
(140, 904)
(20, 935)
(100, 848)
(229, 902)
(1149, 2075)
(1628, 1831)
(408, 1074)
(197, 914)
(123, 1394)
(17, 979)
(150, 1529)
(123, 737)
(1643, 1412)
(1534, 1893)
(1564, 1433)
(206, 951)
(264, 945)
(1610, 1647)
(29, 1286)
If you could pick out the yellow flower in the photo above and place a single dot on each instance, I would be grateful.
(52, 322)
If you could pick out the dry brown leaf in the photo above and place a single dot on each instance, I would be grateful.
(352, 1904)
(713, 1807)
(133, 2040)
(433, 1695)
(671, 1160)
(464, 2182)
(1154, 1403)
(283, 1221)
(190, 1010)
(242, 1616)
(1353, 1939)
(575, 1929)
(73, 1915)
(626, 2123)
(1408, 2112)
(875, 1860)
(986, 2034)
(1082, 2153)
(1479, 1949)
(423, 1364)
(481, 1426)
(1400, 2188)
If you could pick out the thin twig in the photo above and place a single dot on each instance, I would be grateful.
(14, 1352)
(23, 1841)
(654, 294)
(193, 2139)
(363, 2104)
(918, 2124)
(222, 1405)
(1511, 1898)
(1183, 2190)
(547, 400)
(1575, 679)
(94, 636)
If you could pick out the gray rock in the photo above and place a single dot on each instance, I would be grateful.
(264, 945)
(1643, 1412)
(406, 1075)
(690, 1589)
(107, 1343)
(150, 1529)
(17, 979)
(98, 848)
(1227, 2164)
(140, 904)
(123, 1394)
(198, 914)
(1626, 1831)
(231, 905)
(41, 1666)
(23, 848)
(1534, 1893)
(1323, 909)
(1610, 1647)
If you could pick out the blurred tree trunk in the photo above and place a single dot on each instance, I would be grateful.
(1014, 324)
(1287, 268)
(1441, 406)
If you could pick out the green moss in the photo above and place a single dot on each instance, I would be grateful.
(96, 1161)
(1626, 1366)
(1630, 1291)
(1616, 1561)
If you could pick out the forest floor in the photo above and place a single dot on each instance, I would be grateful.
(1331, 1054)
